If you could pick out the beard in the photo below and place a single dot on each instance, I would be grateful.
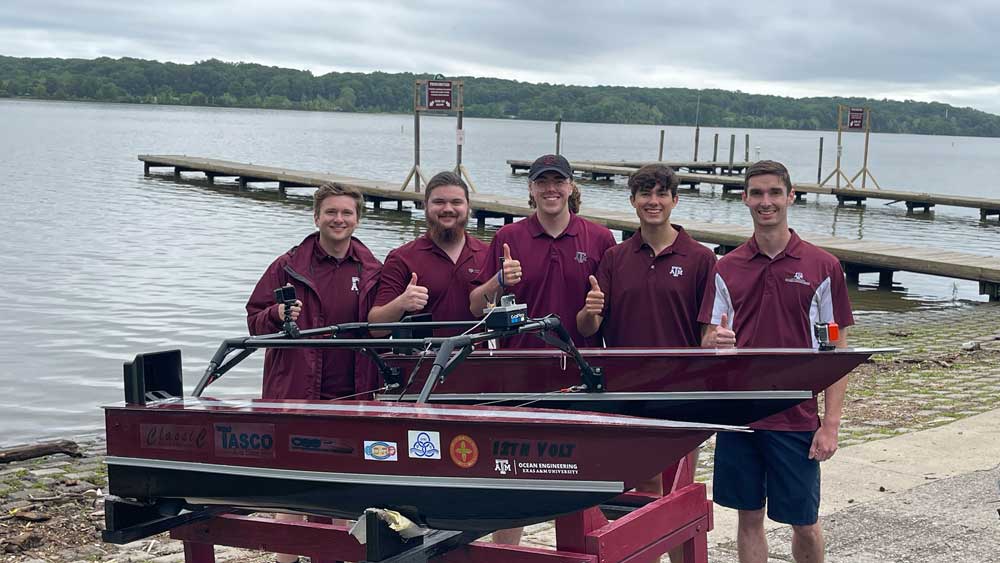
(442, 234)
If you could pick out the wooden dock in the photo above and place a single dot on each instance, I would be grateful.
(922, 201)
(857, 256)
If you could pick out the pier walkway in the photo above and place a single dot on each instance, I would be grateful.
(734, 182)
(857, 256)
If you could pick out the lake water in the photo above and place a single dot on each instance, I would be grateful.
(101, 263)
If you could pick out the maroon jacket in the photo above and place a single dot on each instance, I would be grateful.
(294, 373)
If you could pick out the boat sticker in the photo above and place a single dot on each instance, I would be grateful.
(423, 444)
(537, 467)
(534, 449)
(173, 436)
(380, 451)
(244, 440)
(319, 445)
(503, 466)
(464, 451)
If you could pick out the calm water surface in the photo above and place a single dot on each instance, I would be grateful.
(101, 263)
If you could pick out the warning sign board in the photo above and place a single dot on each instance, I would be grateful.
(439, 94)
(856, 118)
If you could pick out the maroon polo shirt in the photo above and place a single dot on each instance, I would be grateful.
(652, 300)
(448, 283)
(773, 303)
(338, 279)
(555, 271)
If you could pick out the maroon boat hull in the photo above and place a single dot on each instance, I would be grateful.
(493, 468)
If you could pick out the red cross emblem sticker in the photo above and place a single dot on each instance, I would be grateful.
(464, 451)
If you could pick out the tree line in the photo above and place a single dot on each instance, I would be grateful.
(250, 85)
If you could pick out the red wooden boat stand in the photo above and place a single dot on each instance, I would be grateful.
(649, 527)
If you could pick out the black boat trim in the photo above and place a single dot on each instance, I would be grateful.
(608, 396)
(554, 485)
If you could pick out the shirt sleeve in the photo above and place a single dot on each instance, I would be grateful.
(842, 312)
(262, 311)
(706, 277)
(394, 278)
(716, 302)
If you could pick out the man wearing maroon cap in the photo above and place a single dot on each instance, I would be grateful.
(768, 293)
(434, 273)
(548, 258)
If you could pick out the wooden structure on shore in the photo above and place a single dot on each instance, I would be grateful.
(857, 256)
(734, 182)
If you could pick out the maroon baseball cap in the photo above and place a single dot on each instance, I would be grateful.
(550, 163)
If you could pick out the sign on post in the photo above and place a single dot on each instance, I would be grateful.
(439, 95)
(856, 118)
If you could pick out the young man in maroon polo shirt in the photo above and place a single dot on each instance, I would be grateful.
(768, 293)
(648, 289)
(335, 277)
(548, 258)
(434, 273)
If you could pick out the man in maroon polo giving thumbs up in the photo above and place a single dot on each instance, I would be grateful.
(433, 274)
(548, 256)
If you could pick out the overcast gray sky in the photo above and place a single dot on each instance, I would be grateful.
(898, 49)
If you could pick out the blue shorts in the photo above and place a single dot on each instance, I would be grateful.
(768, 467)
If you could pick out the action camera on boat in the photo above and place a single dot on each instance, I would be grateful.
(508, 314)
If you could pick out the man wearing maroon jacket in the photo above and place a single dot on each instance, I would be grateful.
(434, 273)
(768, 293)
(335, 277)
(548, 258)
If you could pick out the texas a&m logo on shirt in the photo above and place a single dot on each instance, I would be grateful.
(797, 278)
(581, 257)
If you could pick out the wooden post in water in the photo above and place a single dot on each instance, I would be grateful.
(746, 144)
(819, 164)
(840, 134)
(416, 150)
(558, 135)
(715, 150)
(732, 152)
(697, 135)
(660, 154)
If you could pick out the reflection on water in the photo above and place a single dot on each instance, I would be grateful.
(101, 263)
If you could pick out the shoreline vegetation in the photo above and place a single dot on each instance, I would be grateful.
(216, 83)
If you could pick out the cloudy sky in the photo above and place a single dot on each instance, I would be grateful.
(898, 49)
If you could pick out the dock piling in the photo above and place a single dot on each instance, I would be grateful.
(746, 147)
(819, 162)
(732, 153)
(715, 149)
(660, 154)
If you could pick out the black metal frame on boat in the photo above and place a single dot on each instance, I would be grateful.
(450, 350)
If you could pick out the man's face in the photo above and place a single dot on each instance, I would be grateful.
(337, 218)
(551, 192)
(768, 199)
(653, 205)
(447, 212)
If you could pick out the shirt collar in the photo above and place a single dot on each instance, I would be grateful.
(679, 246)
(426, 244)
(792, 249)
(321, 255)
(536, 230)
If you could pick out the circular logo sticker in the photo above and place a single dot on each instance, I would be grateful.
(464, 451)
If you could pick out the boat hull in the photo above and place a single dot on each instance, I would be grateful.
(474, 469)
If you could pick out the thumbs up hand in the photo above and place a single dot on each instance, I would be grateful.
(511, 268)
(721, 336)
(414, 297)
(594, 304)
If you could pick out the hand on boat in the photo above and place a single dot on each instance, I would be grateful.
(414, 297)
(293, 311)
(511, 268)
(594, 304)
